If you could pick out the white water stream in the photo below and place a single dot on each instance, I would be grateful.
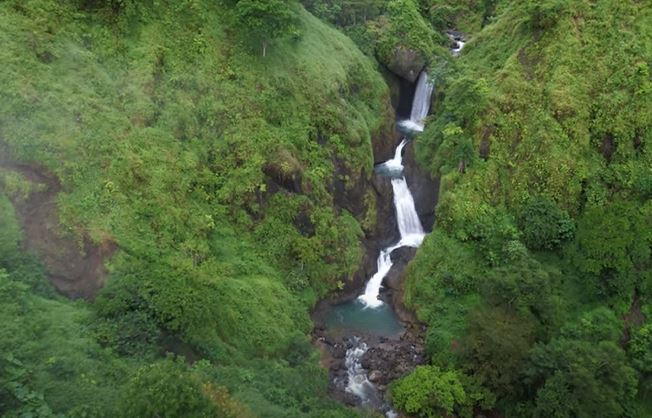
(409, 227)
(358, 382)
(420, 104)
(412, 234)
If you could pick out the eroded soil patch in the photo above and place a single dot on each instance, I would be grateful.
(75, 269)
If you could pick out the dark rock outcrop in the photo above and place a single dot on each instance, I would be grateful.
(405, 63)
(73, 264)
(424, 188)
(390, 360)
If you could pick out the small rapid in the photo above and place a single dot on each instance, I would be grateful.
(358, 382)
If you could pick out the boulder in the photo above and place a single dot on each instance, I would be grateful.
(375, 375)
(402, 255)
(406, 63)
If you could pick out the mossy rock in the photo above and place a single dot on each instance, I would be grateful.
(405, 62)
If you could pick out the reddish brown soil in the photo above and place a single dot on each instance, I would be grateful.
(75, 269)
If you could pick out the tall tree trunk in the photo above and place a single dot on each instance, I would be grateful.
(264, 48)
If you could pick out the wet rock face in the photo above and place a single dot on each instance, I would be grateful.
(400, 257)
(424, 188)
(405, 63)
(385, 141)
(387, 228)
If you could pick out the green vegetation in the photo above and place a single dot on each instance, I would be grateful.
(394, 31)
(205, 142)
(427, 392)
(211, 169)
(536, 281)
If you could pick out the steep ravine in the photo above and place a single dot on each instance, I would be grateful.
(384, 357)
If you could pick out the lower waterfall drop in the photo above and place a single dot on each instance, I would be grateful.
(409, 227)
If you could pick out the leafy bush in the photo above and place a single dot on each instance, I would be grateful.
(166, 389)
(544, 226)
(428, 392)
(10, 237)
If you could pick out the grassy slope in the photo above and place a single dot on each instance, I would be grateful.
(551, 92)
(159, 125)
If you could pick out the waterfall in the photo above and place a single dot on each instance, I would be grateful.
(407, 218)
(420, 104)
(457, 42)
(409, 227)
(396, 163)
(411, 235)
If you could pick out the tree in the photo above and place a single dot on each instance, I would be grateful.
(584, 372)
(613, 246)
(525, 287)
(640, 349)
(546, 14)
(429, 392)
(495, 347)
(265, 19)
(544, 225)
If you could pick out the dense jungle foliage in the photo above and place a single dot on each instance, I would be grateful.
(205, 141)
(212, 171)
(536, 284)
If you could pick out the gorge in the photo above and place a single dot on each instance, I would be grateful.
(367, 322)
(227, 208)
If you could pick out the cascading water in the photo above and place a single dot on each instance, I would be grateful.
(458, 48)
(420, 104)
(409, 227)
(358, 382)
(411, 235)
(458, 42)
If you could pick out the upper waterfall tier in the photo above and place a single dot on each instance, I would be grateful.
(420, 104)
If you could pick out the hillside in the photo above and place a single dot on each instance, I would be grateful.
(536, 281)
(184, 183)
(152, 153)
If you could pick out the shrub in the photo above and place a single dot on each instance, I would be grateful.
(166, 389)
(429, 392)
(544, 225)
